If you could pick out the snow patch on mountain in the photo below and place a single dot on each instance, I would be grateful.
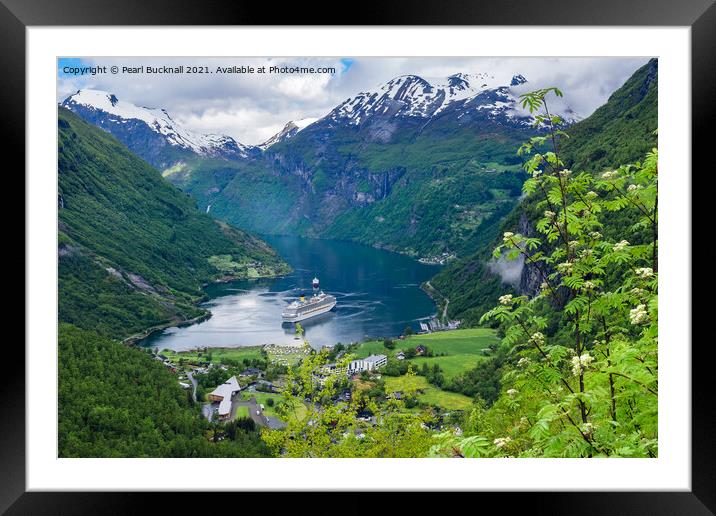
(158, 120)
(290, 130)
(415, 97)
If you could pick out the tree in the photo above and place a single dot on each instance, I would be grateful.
(583, 375)
(331, 429)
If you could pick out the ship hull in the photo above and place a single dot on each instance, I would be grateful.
(308, 314)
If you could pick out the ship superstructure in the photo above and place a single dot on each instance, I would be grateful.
(305, 307)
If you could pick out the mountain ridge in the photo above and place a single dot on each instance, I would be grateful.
(375, 161)
(289, 130)
(168, 140)
(133, 250)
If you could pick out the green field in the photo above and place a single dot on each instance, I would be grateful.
(263, 397)
(218, 355)
(242, 413)
(429, 394)
(462, 348)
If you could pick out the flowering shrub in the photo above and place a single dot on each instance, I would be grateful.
(583, 379)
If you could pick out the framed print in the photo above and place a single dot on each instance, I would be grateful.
(440, 250)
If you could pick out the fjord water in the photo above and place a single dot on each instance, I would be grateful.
(378, 295)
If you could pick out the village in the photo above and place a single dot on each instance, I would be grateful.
(247, 383)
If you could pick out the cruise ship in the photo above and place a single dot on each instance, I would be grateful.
(304, 308)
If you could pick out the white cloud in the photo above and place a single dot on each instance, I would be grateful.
(253, 107)
(303, 87)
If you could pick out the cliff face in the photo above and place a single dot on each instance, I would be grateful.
(531, 278)
(620, 131)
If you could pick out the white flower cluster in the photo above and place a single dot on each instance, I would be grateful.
(595, 235)
(501, 441)
(507, 236)
(537, 338)
(523, 362)
(585, 253)
(644, 272)
(573, 244)
(536, 173)
(587, 428)
(610, 174)
(588, 285)
(511, 392)
(549, 214)
(637, 291)
(506, 299)
(544, 285)
(638, 315)
(591, 194)
(565, 173)
(620, 246)
(581, 363)
(565, 268)
(634, 188)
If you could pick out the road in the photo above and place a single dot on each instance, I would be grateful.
(447, 301)
(194, 383)
(260, 419)
(257, 415)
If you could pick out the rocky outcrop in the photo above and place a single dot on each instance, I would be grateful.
(531, 278)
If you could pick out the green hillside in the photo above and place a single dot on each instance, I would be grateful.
(116, 401)
(620, 131)
(134, 251)
(425, 192)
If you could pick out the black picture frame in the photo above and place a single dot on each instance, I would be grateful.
(700, 15)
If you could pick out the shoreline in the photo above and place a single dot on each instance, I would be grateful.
(138, 337)
(441, 302)
(423, 260)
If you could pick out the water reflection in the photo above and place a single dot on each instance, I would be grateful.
(378, 294)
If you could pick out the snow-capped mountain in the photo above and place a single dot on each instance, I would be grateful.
(162, 133)
(290, 130)
(410, 96)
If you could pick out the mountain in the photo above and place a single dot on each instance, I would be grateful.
(422, 168)
(289, 130)
(151, 133)
(620, 131)
(426, 168)
(133, 250)
(460, 95)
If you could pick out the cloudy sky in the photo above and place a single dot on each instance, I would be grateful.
(252, 107)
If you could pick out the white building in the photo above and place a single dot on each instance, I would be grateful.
(223, 394)
(370, 363)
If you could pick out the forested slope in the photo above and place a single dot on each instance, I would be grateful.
(133, 250)
(621, 131)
